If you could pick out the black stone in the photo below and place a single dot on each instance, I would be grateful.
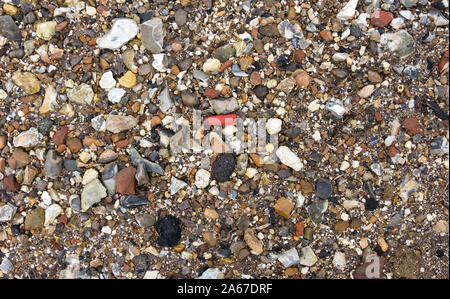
(45, 125)
(261, 91)
(135, 201)
(324, 189)
(141, 263)
(169, 231)
(223, 167)
(371, 204)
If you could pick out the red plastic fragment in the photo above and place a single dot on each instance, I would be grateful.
(221, 120)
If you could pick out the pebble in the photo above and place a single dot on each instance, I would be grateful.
(307, 257)
(211, 65)
(53, 164)
(115, 95)
(46, 30)
(169, 231)
(119, 123)
(49, 103)
(202, 178)
(273, 126)
(28, 138)
(253, 242)
(107, 81)
(122, 31)
(223, 167)
(7, 212)
(153, 34)
(92, 193)
(27, 81)
(289, 258)
(51, 213)
(288, 158)
(9, 28)
(81, 94)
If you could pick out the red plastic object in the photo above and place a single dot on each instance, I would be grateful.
(221, 120)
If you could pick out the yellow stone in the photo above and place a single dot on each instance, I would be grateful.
(10, 9)
(128, 80)
(284, 207)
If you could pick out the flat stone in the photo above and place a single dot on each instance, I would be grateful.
(49, 103)
(348, 11)
(119, 123)
(9, 28)
(27, 81)
(324, 189)
(366, 91)
(224, 53)
(165, 102)
(53, 164)
(288, 158)
(128, 80)
(125, 182)
(400, 42)
(307, 257)
(115, 95)
(51, 213)
(176, 185)
(169, 231)
(224, 106)
(19, 159)
(81, 94)
(284, 207)
(223, 167)
(253, 242)
(92, 193)
(133, 201)
(122, 31)
(27, 139)
(289, 258)
(109, 177)
(153, 34)
(35, 219)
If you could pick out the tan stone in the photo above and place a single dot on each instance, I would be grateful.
(284, 207)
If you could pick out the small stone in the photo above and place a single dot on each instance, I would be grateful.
(35, 219)
(374, 77)
(212, 273)
(339, 260)
(133, 201)
(253, 242)
(307, 257)
(439, 146)
(125, 182)
(115, 95)
(189, 99)
(441, 227)
(289, 258)
(53, 164)
(51, 213)
(261, 91)
(10, 183)
(46, 30)
(92, 193)
(7, 212)
(81, 94)
(90, 175)
(286, 85)
(107, 156)
(284, 207)
(119, 123)
(211, 65)
(366, 91)
(411, 124)
(202, 178)
(107, 81)
(210, 238)
(288, 158)
(407, 188)
(19, 159)
(128, 80)
(145, 220)
(400, 42)
(165, 102)
(122, 31)
(27, 81)
(9, 28)
(181, 17)
(348, 11)
(340, 227)
(153, 34)
(273, 126)
(176, 185)
(74, 144)
(381, 18)
(211, 214)
(169, 231)
(223, 167)
(224, 53)
(303, 79)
